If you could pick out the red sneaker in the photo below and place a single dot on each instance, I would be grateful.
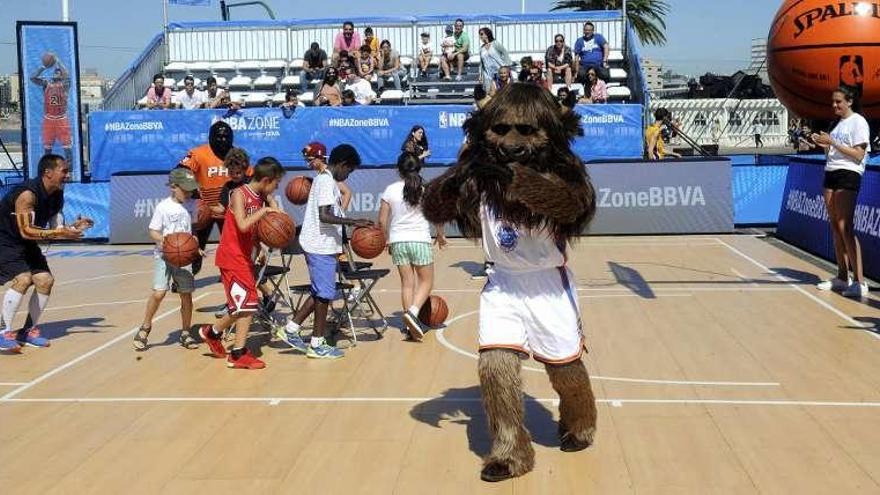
(247, 361)
(214, 343)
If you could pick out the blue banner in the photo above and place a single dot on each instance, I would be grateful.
(49, 71)
(803, 218)
(147, 141)
(193, 3)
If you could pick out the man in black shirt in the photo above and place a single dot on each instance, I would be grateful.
(314, 62)
(31, 213)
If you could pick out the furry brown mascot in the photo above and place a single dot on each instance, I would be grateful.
(518, 186)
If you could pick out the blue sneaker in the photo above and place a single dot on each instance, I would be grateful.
(8, 342)
(324, 351)
(291, 339)
(31, 338)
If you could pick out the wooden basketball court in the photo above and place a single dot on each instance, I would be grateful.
(718, 367)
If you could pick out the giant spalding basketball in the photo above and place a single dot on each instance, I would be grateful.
(276, 229)
(816, 46)
(368, 242)
(180, 249)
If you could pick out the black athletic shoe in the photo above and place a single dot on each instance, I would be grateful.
(197, 266)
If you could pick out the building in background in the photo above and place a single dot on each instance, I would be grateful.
(653, 72)
(758, 64)
(8, 93)
(92, 87)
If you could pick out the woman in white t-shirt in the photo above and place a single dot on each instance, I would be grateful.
(846, 151)
(409, 239)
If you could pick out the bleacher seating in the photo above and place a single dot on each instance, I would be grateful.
(273, 64)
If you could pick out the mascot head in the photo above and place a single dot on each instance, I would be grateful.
(522, 124)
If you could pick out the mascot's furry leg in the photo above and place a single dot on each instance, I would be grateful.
(577, 405)
(501, 387)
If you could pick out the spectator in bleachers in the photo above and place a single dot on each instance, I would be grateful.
(362, 89)
(501, 80)
(345, 63)
(348, 99)
(348, 40)
(460, 54)
(329, 92)
(567, 98)
(366, 62)
(536, 77)
(591, 50)
(389, 64)
(493, 56)
(291, 102)
(447, 50)
(595, 88)
(314, 64)
(416, 143)
(214, 96)
(559, 60)
(480, 97)
(426, 52)
(190, 98)
(373, 42)
(525, 64)
(158, 96)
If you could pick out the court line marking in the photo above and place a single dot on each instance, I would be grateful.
(86, 305)
(441, 337)
(89, 354)
(744, 278)
(101, 277)
(790, 283)
(699, 243)
(11, 384)
(273, 401)
(667, 291)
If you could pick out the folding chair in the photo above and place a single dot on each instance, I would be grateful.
(365, 277)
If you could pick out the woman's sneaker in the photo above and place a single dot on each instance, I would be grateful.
(324, 351)
(31, 338)
(413, 325)
(835, 284)
(290, 338)
(856, 290)
(8, 342)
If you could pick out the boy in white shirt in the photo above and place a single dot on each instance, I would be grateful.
(426, 52)
(321, 239)
(173, 214)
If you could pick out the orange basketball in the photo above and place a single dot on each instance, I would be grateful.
(368, 242)
(203, 215)
(180, 249)
(816, 46)
(297, 190)
(48, 59)
(434, 311)
(276, 229)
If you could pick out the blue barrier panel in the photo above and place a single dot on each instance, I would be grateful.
(150, 141)
(89, 200)
(757, 193)
(803, 219)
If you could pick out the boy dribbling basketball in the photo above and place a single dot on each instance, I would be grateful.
(248, 204)
(172, 215)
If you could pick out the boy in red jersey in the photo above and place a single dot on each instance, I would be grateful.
(235, 254)
(56, 125)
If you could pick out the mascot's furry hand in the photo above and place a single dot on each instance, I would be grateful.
(548, 194)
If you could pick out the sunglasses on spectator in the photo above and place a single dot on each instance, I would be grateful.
(560, 40)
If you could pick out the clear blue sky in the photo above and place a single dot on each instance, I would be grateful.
(702, 35)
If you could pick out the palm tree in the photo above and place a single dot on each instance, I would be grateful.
(647, 17)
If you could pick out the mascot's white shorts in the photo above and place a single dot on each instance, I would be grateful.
(535, 313)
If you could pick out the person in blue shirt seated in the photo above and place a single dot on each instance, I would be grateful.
(591, 50)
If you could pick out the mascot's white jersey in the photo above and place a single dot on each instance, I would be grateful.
(515, 249)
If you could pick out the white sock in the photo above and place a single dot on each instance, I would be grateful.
(292, 327)
(414, 310)
(11, 302)
(36, 305)
(316, 342)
